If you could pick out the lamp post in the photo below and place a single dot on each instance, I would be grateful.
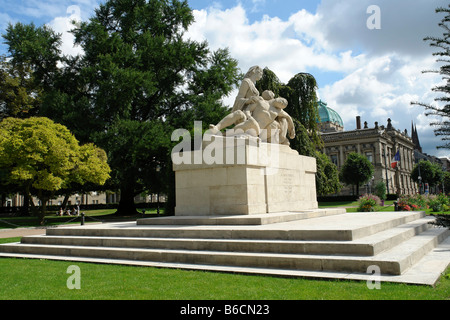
(419, 178)
(158, 169)
(420, 184)
(386, 169)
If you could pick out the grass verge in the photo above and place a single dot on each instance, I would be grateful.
(31, 279)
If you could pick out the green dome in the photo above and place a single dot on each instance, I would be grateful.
(329, 115)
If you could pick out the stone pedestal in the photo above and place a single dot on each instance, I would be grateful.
(242, 176)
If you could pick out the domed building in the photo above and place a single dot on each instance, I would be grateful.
(379, 144)
(330, 120)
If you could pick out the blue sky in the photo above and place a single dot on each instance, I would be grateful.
(256, 9)
(373, 73)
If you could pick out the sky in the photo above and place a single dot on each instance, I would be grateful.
(367, 55)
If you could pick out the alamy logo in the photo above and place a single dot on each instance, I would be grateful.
(74, 281)
(374, 21)
(374, 281)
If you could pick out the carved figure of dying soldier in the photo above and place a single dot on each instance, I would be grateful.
(261, 117)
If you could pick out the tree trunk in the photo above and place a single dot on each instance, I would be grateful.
(26, 204)
(43, 210)
(66, 199)
(126, 204)
(3, 196)
(27, 200)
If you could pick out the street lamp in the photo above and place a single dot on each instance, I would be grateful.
(420, 183)
(158, 169)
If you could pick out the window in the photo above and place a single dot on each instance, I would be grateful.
(334, 159)
(369, 156)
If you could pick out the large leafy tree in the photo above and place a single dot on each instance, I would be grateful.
(357, 170)
(20, 96)
(327, 176)
(301, 94)
(144, 79)
(37, 48)
(441, 108)
(429, 172)
(43, 157)
(138, 80)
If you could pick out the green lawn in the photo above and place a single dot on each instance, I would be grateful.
(47, 280)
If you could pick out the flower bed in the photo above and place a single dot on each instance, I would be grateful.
(436, 203)
(368, 202)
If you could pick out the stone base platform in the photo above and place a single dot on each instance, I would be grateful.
(315, 244)
(240, 176)
(256, 219)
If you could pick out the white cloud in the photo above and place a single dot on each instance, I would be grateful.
(63, 25)
(286, 47)
(4, 20)
(403, 25)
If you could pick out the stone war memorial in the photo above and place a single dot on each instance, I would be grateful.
(249, 169)
(246, 203)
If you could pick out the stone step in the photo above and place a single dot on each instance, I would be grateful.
(343, 227)
(368, 246)
(259, 219)
(393, 261)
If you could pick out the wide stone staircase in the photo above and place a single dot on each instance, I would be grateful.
(323, 243)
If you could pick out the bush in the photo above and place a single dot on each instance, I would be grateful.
(380, 190)
(368, 202)
(436, 203)
(413, 202)
(439, 203)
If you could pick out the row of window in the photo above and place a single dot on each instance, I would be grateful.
(335, 159)
(406, 156)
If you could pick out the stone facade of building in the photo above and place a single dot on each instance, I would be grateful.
(379, 144)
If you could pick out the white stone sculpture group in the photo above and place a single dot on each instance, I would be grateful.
(258, 115)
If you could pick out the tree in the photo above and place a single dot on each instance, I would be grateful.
(446, 182)
(36, 48)
(43, 157)
(441, 107)
(19, 94)
(430, 173)
(138, 80)
(302, 96)
(144, 75)
(380, 190)
(327, 176)
(357, 170)
(300, 92)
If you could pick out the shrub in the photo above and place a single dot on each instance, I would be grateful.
(435, 205)
(380, 190)
(412, 202)
(421, 202)
(368, 202)
(438, 203)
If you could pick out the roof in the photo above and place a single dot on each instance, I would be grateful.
(329, 115)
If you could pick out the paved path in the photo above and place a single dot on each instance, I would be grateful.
(20, 232)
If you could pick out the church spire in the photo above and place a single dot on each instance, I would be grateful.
(415, 137)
